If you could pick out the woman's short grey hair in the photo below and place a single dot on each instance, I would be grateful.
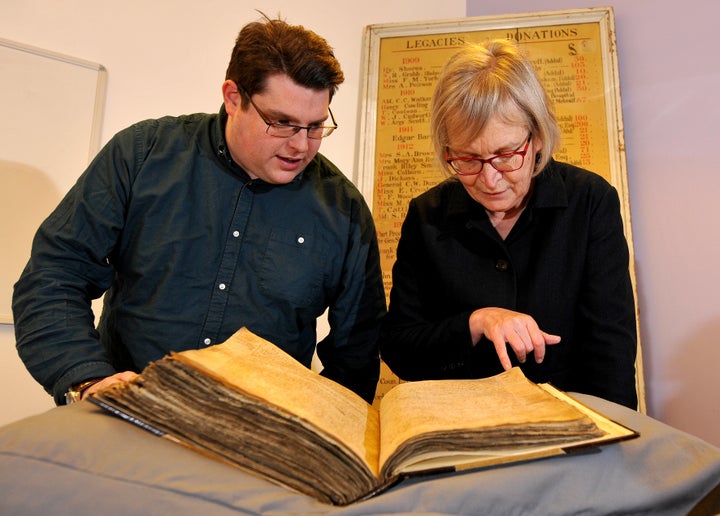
(484, 80)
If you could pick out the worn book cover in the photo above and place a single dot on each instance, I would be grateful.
(248, 403)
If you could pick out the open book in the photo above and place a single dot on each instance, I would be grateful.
(248, 403)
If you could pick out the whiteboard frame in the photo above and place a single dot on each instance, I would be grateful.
(95, 124)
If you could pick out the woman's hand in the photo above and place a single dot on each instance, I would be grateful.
(504, 327)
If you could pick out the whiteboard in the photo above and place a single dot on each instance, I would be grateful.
(50, 118)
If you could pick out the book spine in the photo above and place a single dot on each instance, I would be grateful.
(127, 417)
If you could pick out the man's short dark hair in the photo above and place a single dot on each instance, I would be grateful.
(269, 47)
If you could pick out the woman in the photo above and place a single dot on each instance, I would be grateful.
(516, 259)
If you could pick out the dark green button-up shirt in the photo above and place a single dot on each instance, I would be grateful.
(189, 249)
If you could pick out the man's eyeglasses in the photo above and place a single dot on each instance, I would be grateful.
(285, 130)
(505, 162)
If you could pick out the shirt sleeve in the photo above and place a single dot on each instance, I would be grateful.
(68, 268)
(606, 310)
(415, 343)
(349, 353)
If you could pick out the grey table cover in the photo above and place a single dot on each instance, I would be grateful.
(80, 460)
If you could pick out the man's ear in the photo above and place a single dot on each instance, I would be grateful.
(232, 98)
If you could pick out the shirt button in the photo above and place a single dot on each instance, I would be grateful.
(502, 265)
(222, 286)
(301, 240)
(236, 233)
(207, 341)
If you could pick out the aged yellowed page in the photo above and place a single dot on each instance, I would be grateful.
(252, 364)
(498, 412)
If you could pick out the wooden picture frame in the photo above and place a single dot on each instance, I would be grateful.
(575, 54)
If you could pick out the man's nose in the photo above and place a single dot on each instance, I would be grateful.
(299, 140)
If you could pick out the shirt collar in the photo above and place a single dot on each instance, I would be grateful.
(549, 190)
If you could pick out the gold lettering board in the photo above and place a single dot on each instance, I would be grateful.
(575, 55)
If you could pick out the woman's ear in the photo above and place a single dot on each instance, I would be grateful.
(537, 145)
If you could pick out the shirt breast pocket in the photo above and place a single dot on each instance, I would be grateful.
(293, 267)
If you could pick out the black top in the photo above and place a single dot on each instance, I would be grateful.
(565, 263)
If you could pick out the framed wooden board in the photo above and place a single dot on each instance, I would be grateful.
(575, 55)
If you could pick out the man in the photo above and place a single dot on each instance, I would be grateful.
(195, 226)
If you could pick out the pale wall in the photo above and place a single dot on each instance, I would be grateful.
(168, 57)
